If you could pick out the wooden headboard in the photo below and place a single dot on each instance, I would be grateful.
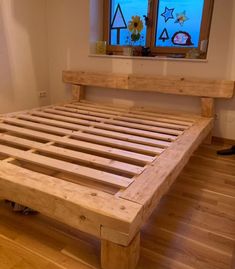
(206, 89)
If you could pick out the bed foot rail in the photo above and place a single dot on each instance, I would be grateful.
(114, 256)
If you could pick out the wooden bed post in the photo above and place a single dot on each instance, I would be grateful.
(114, 256)
(208, 111)
(78, 92)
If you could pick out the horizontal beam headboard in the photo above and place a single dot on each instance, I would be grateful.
(162, 84)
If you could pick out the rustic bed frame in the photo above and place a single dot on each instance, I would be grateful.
(103, 169)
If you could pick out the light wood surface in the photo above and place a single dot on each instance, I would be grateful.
(93, 154)
(100, 169)
(161, 84)
(115, 256)
(78, 92)
(192, 227)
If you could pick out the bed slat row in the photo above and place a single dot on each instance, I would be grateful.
(98, 144)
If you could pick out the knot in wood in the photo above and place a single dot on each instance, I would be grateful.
(83, 218)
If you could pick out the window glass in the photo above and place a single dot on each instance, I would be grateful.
(127, 25)
(179, 23)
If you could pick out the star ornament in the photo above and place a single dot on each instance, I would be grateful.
(181, 18)
(168, 14)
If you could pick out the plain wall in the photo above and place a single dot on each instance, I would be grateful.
(73, 25)
(23, 54)
(40, 38)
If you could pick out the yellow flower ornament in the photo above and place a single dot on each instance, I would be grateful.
(135, 26)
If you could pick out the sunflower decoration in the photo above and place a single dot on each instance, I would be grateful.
(135, 26)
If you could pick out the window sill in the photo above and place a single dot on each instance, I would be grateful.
(156, 58)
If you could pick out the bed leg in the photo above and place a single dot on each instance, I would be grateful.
(208, 140)
(114, 256)
(78, 92)
(208, 110)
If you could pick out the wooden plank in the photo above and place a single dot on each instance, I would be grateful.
(162, 84)
(69, 203)
(162, 130)
(63, 112)
(152, 123)
(121, 136)
(155, 181)
(74, 155)
(58, 165)
(158, 118)
(134, 110)
(114, 256)
(94, 148)
(78, 127)
(137, 125)
(87, 113)
(96, 79)
(98, 139)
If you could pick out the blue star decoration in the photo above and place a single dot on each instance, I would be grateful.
(168, 14)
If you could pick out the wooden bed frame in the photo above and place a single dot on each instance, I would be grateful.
(103, 169)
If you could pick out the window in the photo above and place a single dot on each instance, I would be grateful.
(166, 26)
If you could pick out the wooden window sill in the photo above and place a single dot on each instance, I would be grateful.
(155, 58)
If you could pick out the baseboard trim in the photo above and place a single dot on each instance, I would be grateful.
(221, 140)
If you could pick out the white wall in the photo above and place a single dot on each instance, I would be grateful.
(34, 33)
(23, 54)
(69, 40)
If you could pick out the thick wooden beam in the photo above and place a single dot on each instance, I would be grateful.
(208, 107)
(208, 111)
(166, 168)
(77, 206)
(115, 256)
(161, 84)
(78, 92)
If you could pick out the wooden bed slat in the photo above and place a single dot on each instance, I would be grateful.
(157, 118)
(57, 111)
(70, 168)
(138, 110)
(100, 125)
(105, 140)
(121, 136)
(152, 123)
(136, 125)
(74, 155)
(135, 110)
(109, 151)
(144, 127)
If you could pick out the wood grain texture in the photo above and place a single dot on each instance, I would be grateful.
(161, 84)
(154, 182)
(70, 203)
(107, 150)
(115, 256)
(188, 230)
(78, 92)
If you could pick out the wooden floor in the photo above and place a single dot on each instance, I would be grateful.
(193, 227)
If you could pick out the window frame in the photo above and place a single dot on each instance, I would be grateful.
(152, 28)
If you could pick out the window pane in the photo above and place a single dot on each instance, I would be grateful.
(179, 23)
(122, 13)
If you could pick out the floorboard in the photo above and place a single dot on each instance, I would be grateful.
(192, 228)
